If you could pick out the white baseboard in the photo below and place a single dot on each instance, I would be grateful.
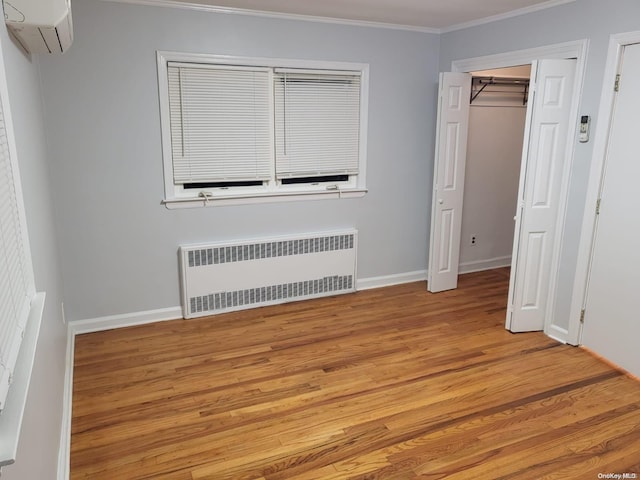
(480, 265)
(87, 326)
(557, 333)
(124, 320)
(77, 327)
(388, 280)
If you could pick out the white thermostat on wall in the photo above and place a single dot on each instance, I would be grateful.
(583, 136)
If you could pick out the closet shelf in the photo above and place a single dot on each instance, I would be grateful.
(513, 86)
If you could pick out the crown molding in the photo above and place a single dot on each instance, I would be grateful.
(201, 7)
(283, 16)
(504, 16)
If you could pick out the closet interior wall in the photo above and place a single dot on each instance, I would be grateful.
(494, 151)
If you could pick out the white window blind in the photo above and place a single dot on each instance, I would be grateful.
(220, 119)
(317, 123)
(16, 279)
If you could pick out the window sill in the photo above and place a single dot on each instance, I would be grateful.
(246, 199)
(11, 418)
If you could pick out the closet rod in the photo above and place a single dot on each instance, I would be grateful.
(484, 82)
(501, 81)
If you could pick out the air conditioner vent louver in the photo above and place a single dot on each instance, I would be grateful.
(245, 274)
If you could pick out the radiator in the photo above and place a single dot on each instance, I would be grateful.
(229, 276)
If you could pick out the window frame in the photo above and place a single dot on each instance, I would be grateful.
(272, 191)
(22, 245)
(16, 399)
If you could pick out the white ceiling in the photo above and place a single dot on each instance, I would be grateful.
(437, 15)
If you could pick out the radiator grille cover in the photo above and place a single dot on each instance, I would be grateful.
(256, 251)
(236, 275)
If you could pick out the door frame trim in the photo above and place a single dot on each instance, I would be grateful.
(575, 49)
(617, 42)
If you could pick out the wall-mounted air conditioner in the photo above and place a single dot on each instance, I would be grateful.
(41, 26)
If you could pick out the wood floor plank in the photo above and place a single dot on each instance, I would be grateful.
(392, 383)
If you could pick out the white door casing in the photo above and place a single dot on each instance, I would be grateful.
(448, 180)
(611, 326)
(546, 154)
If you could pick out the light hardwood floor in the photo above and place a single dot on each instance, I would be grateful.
(392, 383)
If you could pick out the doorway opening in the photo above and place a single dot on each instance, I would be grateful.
(547, 157)
(497, 117)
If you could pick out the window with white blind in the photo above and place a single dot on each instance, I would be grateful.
(239, 130)
(17, 287)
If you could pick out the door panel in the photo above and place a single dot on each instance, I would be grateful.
(611, 326)
(536, 221)
(451, 157)
(446, 224)
(543, 177)
(448, 180)
(532, 270)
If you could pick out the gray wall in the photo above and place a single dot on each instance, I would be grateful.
(118, 244)
(494, 152)
(594, 20)
(39, 440)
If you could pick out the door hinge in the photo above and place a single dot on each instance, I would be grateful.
(598, 206)
(582, 316)
(616, 86)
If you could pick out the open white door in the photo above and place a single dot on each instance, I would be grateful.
(611, 326)
(448, 180)
(545, 156)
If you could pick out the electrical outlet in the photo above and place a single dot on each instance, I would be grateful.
(473, 240)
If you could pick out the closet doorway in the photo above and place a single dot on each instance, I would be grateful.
(545, 168)
(497, 117)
